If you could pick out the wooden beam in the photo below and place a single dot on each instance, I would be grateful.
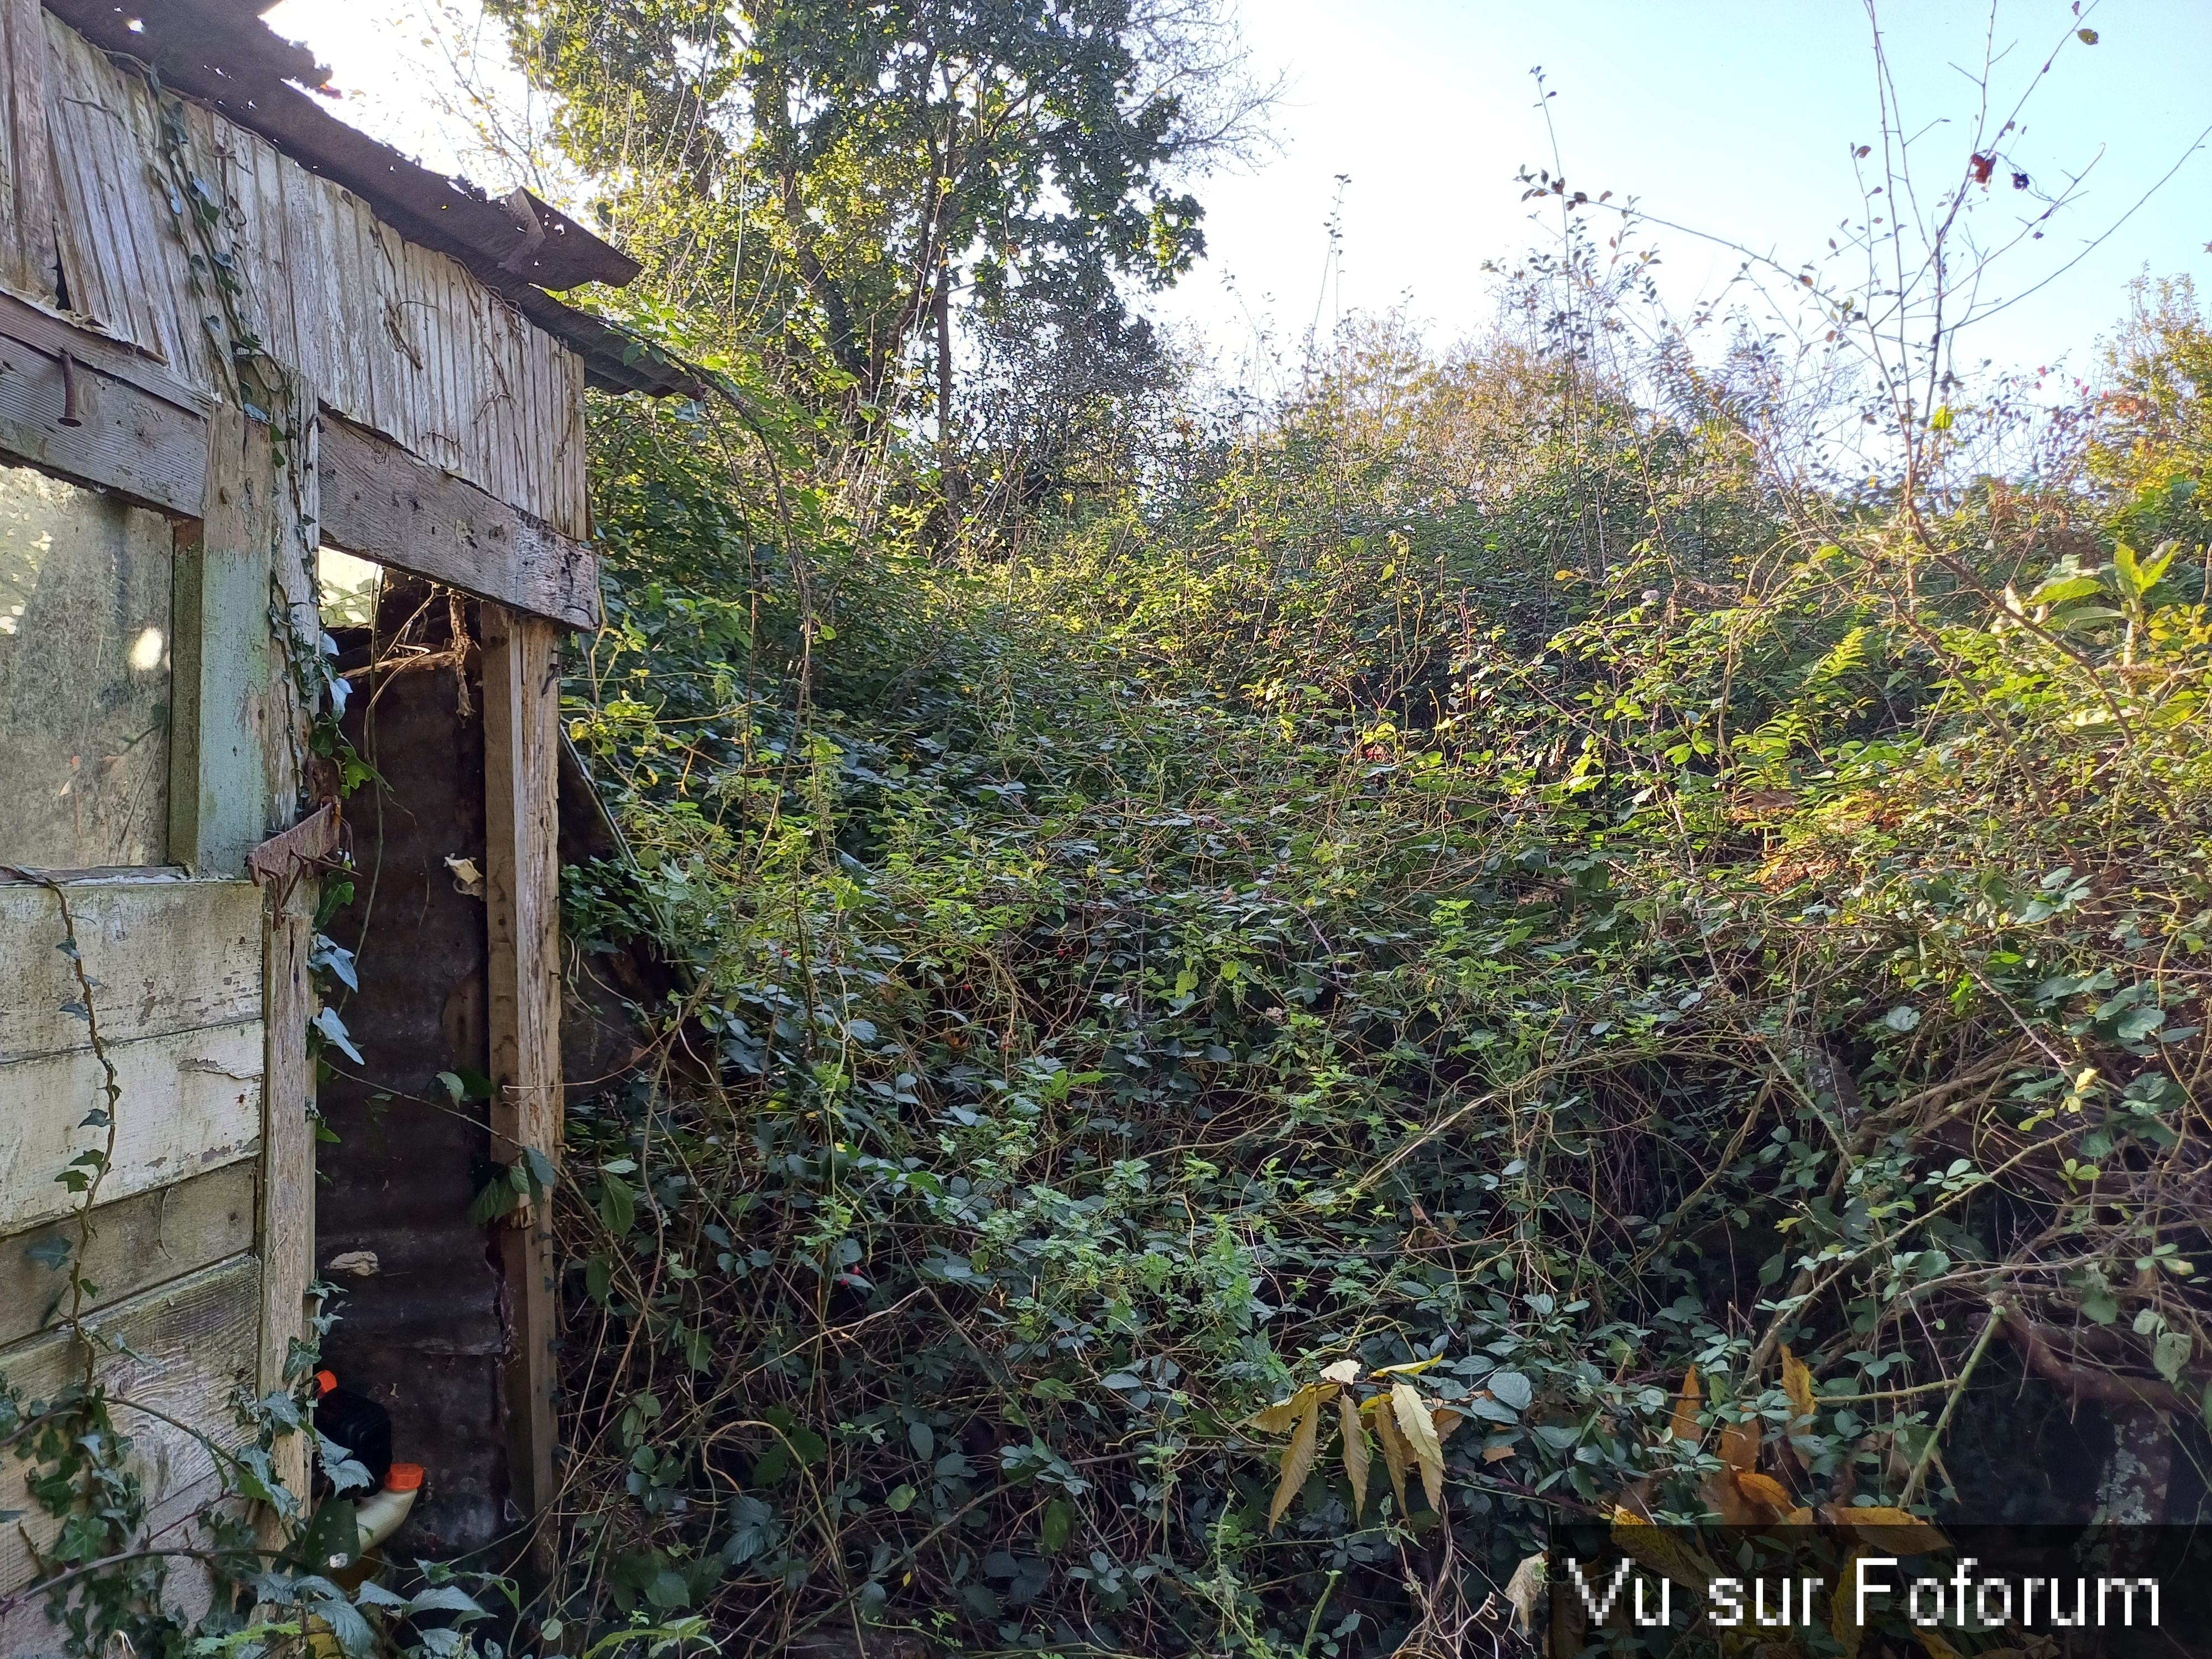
(94, 427)
(522, 887)
(382, 503)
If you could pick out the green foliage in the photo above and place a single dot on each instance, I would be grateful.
(846, 167)
(1470, 870)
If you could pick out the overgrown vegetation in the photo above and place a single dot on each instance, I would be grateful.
(1497, 863)
(1524, 914)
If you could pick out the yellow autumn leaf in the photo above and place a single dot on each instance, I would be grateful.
(1843, 1614)
(1888, 1528)
(1411, 1368)
(1355, 1452)
(1660, 1548)
(1684, 1426)
(1420, 1432)
(1797, 1384)
(1765, 1488)
(1395, 1456)
(1297, 1456)
(1446, 1419)
(1739, 1445)
(1344, 1371)
(1284, 1412)
(1497, 1454)
(1800, 1517)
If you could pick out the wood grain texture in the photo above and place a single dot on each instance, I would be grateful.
(147, 1239)
(191, 1343)
(190, 1102)
(127, 439)
(226, 684)
(168, 956)
(521, 669)
(288, 1152)
(381, 502)
(27, 184)
(398, 337)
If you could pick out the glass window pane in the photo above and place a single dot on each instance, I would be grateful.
(85, 587)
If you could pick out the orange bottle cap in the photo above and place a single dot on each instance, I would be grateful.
(326, 1382)
(403, 1477)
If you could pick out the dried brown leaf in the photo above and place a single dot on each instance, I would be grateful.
(1419, 1430)
(1763, 1488)
(1684, 1424)
(1524, 1588)
(1355, 1452)
(1396, 1455)
(1297, 1456)
(1739, 1445)
(1797, 1384)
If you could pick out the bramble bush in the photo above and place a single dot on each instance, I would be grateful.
(1473, 869)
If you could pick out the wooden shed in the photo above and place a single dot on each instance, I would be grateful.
(234, 333)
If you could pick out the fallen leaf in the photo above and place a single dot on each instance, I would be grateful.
(1445, 1419)
(1344, 1371)
(1739, 1445)
(1497, 1454)
(1888, 1528)
(1765, 1488)
(1797, 1384)
(1684, 1426)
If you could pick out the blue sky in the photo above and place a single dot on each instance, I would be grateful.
(1732, 116)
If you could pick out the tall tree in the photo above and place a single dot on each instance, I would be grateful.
(839, 176)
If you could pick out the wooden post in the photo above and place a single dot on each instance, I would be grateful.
(287, 1226)
(521, 683)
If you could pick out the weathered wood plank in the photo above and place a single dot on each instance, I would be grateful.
(190, 1102)
(219, 791)
(123, 440)
(54, 335)
(147, 1239)
(382, 503)
(522, 894)
(26, 182)
(191, 1345)
(288, 1158)
(165, 956)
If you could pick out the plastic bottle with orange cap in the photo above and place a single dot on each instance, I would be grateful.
(363, 1429)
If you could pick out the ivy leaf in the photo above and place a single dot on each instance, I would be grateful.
(334, 1030)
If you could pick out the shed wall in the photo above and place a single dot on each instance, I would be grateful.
(394, 337)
